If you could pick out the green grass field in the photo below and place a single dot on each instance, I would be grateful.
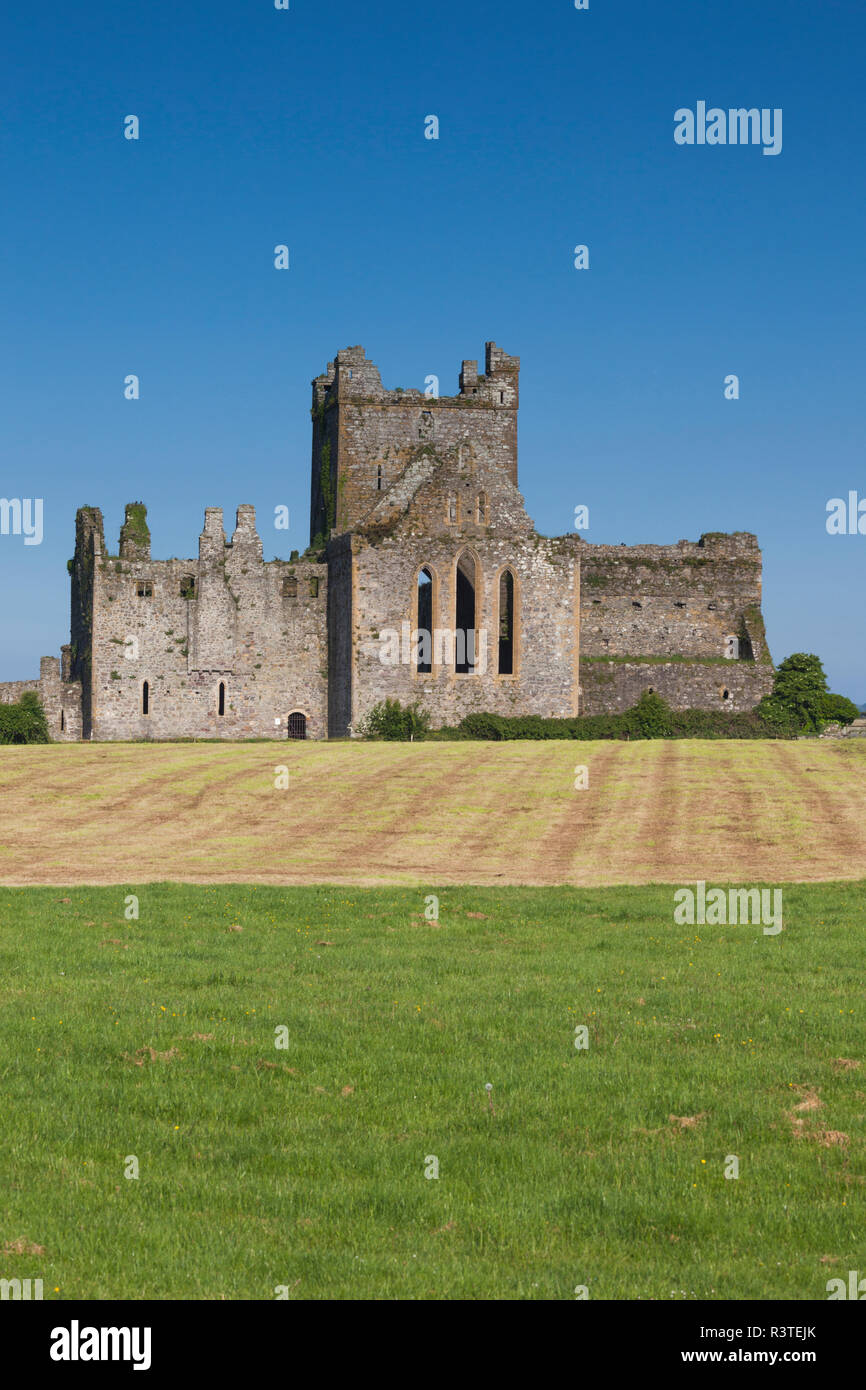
(305, 1167)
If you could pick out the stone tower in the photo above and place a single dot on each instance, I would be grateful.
(365, 437)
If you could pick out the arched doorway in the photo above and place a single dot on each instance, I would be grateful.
(297, 725)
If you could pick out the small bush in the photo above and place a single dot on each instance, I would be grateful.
(489, 726)
(651, 717)
(25, 721)
(389, 720)
(838, 709)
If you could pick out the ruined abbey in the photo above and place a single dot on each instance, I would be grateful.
(425, 580)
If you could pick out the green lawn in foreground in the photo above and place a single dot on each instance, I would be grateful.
(305, 1167)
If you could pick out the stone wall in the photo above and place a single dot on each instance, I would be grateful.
(610, 687)
(683, 601)
(60, 700)
(11, 691)
(367, 436)
(487, 532)
(543, 680)
(226, 631)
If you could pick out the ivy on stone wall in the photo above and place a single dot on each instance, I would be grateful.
(135, 527)
(328, 498)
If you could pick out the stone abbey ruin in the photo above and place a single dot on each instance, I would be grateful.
(424, 580)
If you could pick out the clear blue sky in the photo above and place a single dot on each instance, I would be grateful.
(306, 127)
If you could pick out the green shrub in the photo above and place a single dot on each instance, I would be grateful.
(490, 726)
(838, 709)
(25, 721)
(798, 694)
(389, 720)
(651, 717)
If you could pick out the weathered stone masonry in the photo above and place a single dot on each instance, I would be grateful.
(222, 646)
(416, 524)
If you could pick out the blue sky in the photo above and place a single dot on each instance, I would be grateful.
(306, 127)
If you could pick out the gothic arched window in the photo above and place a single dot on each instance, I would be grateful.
(424, 625)
(465, 636)
(506, 634)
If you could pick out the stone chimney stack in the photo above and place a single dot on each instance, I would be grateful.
(245, 536)
(212, 541)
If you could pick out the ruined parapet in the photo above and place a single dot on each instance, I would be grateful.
(694, 600)
(322, 385)
(246, 542)
(60, 700)
(500, 385)
(355, 376)
(51, 693)
(731, 545)
(134, 533)
(212, 541)
(365, 436)
(89, 532)
(11, 691)
(222, 646)
(212, 615)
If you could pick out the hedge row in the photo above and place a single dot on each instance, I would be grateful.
(636, 723)
(651, 717)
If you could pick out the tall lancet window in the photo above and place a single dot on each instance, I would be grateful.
(425, 622)
(506, 624)
(465, 637)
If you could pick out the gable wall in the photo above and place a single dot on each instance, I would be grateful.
(269, 650)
